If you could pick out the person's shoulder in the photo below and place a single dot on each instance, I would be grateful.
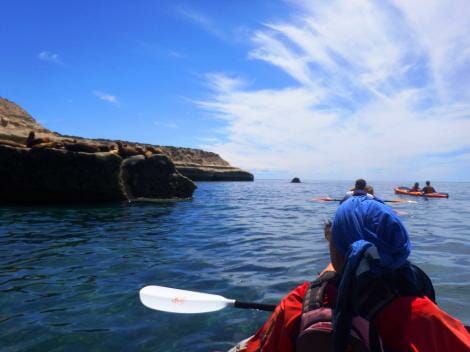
(346, 197)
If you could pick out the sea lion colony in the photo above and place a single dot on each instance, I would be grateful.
(122, 149)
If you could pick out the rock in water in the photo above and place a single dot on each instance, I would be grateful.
(46, 175)
(295, 180)
(154, 177)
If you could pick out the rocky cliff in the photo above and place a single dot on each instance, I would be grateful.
(196, 164)
(52, 175)
(16, 123)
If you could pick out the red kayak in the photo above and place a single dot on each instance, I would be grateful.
(408, 192)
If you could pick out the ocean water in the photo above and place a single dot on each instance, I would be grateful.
(70, 275)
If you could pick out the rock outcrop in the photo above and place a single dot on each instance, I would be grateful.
(16, 123)
(199, 165)
(41, 166)
(154, 177)
(49, 175)
(52, 175)
(196, 164)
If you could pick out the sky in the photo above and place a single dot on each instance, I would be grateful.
(314, 89)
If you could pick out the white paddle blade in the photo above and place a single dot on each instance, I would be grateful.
(181, 301)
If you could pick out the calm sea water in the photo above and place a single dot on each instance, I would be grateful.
(70, 275)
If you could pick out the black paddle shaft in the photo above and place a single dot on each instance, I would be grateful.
(252, 305)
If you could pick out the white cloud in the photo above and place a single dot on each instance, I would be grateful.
(177, 55)
(200, 19)
(106, 97)
(47, 56)
(381, 93)
(166, 124)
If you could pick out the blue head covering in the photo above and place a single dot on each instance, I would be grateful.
(362, 227)
(362, 218)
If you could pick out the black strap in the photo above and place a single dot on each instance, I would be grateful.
(313, 298)
(374, 339)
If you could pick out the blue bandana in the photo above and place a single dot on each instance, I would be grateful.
(362, 218)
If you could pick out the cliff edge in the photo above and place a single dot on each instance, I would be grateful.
(196, 164)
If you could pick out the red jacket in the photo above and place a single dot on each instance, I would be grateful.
(407, 324)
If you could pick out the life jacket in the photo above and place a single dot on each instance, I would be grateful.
(428, 189)
(316, 324)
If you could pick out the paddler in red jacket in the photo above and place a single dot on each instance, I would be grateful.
(369, 243)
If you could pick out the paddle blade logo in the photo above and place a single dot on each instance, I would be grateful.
(178, 300)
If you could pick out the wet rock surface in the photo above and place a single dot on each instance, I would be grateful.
(48, 175)
(154, 177)
(52, 175)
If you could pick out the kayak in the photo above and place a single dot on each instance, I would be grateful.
(242, 345)
(408, 192)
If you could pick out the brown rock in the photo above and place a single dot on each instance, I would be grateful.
(154, 177)
(194, 163)
(11, 143)
(45, 175)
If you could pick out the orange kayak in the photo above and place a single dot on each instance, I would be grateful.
(408, 192)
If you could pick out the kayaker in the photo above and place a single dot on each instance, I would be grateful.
(428, 188)
(369, 247)
(369, 189)
(415, 188)
(360, 188)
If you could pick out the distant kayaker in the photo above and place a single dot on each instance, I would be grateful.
(369, 280)
(369, 189)
(360, 188)
(415, 188)
(428, 188)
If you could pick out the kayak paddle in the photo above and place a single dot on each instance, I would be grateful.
(328, 199)
(173, 300)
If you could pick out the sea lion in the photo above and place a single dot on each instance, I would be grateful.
(105, 147)
(126, 151)
(82, 147)
(154, 150)
(11, 143)
(5, 122)
(32, 140)
(48, 145)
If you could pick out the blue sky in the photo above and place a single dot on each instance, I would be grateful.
(315, 89)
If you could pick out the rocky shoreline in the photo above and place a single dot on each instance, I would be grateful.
(49, 175)
(41, 166)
